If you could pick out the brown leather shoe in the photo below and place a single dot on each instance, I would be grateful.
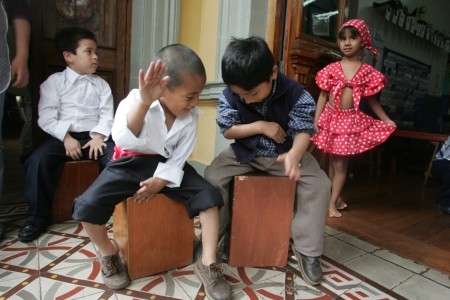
(114, 274)
(216, 286)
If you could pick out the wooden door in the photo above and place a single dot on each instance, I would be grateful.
(110, 20)
(304, 52)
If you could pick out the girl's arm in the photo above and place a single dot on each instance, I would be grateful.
(378, 110)
(323, 98)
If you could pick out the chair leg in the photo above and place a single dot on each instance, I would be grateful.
(428, 171)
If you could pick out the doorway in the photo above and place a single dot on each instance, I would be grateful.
(110, 20)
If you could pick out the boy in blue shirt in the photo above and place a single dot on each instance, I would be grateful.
(270, 118)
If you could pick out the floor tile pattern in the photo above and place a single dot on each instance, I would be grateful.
(62, 264)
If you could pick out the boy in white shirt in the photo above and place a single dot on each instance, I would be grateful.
(155, 129)
(76, 109)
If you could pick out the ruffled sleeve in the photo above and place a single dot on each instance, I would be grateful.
(324, 79)
(375, 82)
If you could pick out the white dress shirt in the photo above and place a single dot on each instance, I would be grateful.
(70, 102)
(176, 145)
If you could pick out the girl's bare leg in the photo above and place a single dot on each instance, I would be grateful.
(339, 166)
(209, 221)
(340, 204)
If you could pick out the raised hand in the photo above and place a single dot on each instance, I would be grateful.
(152, 83)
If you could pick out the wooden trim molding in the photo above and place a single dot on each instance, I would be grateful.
(305, 54)
(212, 90)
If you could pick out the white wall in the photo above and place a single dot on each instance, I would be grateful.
(401, 41)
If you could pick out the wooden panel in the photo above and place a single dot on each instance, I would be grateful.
(98, 15)
(261, 220)
(75, 178)
(154, 236)
(308, 56)
(304, 54)
(428, 136)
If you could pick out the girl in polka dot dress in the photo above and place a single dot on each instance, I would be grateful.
(342, 129)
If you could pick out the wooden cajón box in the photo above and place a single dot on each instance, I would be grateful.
(154, 236)
(261, 220)
(76, 177)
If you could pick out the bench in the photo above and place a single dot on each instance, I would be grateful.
(261, 219)
(154, 236)
(436, 139)
(75, 178)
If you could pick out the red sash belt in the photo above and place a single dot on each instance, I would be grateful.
(119, 152)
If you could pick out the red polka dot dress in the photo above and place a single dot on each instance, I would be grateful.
(349, 131)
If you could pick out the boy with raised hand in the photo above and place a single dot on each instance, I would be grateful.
(155, 129)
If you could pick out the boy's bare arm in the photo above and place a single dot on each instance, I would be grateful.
(151, 87)
(270, 129)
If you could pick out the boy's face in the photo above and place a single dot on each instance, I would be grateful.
(184, 97)
(85, 59)
(259, 93)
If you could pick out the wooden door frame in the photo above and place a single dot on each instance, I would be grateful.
(303, 55)
(275, 28)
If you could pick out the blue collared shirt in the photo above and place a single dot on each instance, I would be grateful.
(444, 152)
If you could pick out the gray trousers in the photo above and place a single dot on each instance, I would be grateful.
(312, 195)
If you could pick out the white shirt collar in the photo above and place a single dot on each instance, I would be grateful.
(72, 76)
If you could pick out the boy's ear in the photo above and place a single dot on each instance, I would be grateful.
(68, 56)
(274, 72)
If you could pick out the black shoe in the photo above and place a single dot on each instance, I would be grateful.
(309, 267)
(31, 231)
(2, 228)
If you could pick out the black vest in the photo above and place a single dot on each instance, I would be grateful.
(287, 92)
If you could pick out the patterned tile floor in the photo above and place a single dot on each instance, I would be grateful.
(62, 264)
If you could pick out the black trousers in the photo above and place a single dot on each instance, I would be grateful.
(120, 180)
(440, 170)
(43, 168)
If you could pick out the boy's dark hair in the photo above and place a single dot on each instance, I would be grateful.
(247, 63)
(179, 60)
(67, 39)
(353, 32)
